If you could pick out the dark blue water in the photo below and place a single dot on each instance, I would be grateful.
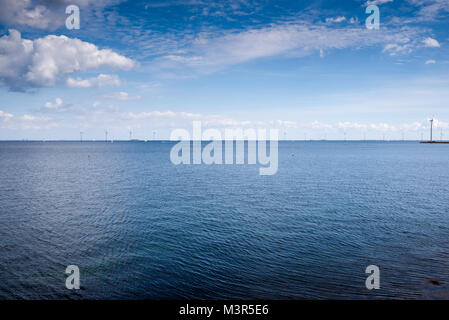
(140, 227)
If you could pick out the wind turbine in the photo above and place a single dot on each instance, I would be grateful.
(431, 128)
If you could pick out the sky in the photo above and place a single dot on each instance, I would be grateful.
(311, 69)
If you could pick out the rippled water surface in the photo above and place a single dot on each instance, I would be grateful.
(140, 227)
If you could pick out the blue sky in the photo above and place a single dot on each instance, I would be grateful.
(309, 68)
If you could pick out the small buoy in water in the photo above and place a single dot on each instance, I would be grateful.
(435, 282)
(88, 156)
(293, 155)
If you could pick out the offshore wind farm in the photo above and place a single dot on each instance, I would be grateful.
(431, 140)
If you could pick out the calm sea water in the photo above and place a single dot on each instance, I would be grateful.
(140, 227)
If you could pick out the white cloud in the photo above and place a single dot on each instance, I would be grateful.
(27, 117)
(5, 116)
(336, 20)
(431, 43)
(26, 13)
(173, 119)
(209, 52)
(54, 105)
(102, 80)
(431, 62)
(122, 96)
(27, 122)
(348, 124)
(429, 10)
(41, 62)
(395, 49)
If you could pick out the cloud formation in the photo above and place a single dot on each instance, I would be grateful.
(429, 10)
(336, 20)
(4, 116)
(27, 13)
(122, 96)
(42, 62)
(54, 105)
(394, 49)
(431, 43)
(102, 80)
(211, 52)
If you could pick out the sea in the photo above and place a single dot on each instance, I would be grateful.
(140, 227)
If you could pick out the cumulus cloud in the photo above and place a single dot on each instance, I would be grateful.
(54, 105)
(27, 13)
(122, 96)
(5, 116)
(431, 43)
(102, 80)
(431, 62)
(42, 62)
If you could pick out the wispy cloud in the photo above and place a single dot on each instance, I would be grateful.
(209, 52)
(377, 2)
(102, 80)
(394, 49)
(122, 96)
(429, 10)
(336, 20)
